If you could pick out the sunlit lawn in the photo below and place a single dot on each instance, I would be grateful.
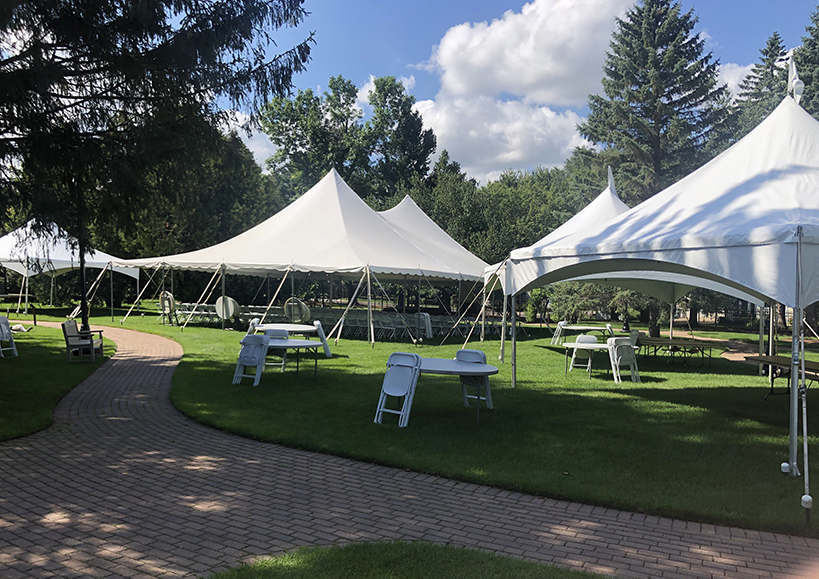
(395, 561)
(32, 383)
(691, 442)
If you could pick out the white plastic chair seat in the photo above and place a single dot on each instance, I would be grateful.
(478, 382)
(399, 382)
(254, 350)
(7, 338)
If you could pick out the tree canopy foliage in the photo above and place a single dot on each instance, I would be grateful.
(316, 133)
(662, 101)
(95, 94)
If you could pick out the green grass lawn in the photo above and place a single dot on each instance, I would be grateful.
(34, 382)
(697, 443)
(396, 561)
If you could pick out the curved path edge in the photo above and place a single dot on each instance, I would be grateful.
(123, 485)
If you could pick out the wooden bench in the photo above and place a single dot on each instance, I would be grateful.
(80, 344)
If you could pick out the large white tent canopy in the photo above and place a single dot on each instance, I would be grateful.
(28, 254)
(607, 206)
(416, 226)
(736, 221)
(749, 219)
(328, 229)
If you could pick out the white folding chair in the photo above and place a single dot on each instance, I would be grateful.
(323, 338)
(272, 336)
(479, 382)
(254, 349)
(582, 358)
(399, 382)
(6, 336)
(251, 329)
(621, 352)
(557, 337)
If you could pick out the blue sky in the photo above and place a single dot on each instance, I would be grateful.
(503, 83)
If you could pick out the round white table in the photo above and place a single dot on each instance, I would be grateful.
(291, 328)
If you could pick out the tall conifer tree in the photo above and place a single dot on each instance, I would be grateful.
(764, 87)
(661, 99)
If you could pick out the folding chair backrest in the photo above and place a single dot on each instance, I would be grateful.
(5, 329)
(622, 347)
(251, 329)
(476, 356)
(167, 302)
(402, 373)
(276, 334)
(70, 329)
(634, 336)
(323, 338)
(580, 353)
(609, 329)
(254, 348)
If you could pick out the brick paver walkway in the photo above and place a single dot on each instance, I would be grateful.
(122, 485)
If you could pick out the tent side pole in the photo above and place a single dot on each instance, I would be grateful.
(514, 322)
(483, 315)
(51, 293)
(771, 340)
(224, 305)
(793, 427)
(111, 278)
(370, 308)
(761, 334)
(671, 322)
(503, 328)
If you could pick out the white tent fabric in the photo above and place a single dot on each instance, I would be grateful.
(27, 254)
(669, 287)
(411, 222)
(749, 218)
(734, 221)
(328, 229)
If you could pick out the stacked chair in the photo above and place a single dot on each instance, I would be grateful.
(254, 350)
(399, 382)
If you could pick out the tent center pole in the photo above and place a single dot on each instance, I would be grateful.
(795, 356)
(111, 277)
(224, 303)
(514, 321)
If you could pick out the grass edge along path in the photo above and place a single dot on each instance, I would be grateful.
(396, 560)
(34, 382)
(686, 443)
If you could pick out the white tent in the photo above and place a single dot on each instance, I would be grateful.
(413, 224)
(328, 229)
(28, 254)
(667, 286)
(749, 219)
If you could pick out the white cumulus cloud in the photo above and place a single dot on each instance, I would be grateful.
(551, 52)
(505, 83)
(732, 75)
(488, 136)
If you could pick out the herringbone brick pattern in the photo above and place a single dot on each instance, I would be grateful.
(122, 485)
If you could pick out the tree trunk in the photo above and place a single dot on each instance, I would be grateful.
(654, 321)
(694, 316)
(781, 321)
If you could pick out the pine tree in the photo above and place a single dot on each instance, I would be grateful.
(661, 98)
(764, 87)
(806, 58)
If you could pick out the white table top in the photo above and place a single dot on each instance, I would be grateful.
(455, 367)
(586, 345)
(587, 328)
(294, 328)
(291, 343)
